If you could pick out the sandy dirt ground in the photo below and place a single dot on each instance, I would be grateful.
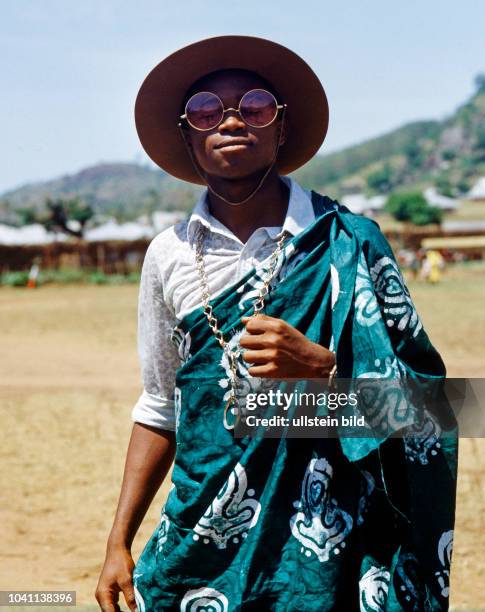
(70, 377)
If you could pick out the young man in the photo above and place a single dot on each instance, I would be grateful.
(289, 524)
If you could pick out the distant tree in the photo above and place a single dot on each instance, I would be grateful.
(480, 82)
(381, 180)
(79, 211)
(414, 154)
(61, 211)
(443, 185)
(413, 208)
(463, 186)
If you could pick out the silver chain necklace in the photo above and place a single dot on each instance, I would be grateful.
(258, 305)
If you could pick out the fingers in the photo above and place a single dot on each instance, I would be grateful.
(250, 327)
(259, 357)
(258, 341)
(129, 593)
(266, 370)
(108, 601)
(261, 323)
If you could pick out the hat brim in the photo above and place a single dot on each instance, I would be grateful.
(157, 106)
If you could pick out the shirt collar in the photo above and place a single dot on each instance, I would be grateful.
(299, 215)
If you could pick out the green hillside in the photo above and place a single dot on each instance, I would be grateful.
(449, 154)
(122, 190)
(358, 160)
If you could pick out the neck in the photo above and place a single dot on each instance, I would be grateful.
(267, 207)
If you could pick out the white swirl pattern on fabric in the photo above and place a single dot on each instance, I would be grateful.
(319, 524)
(373, 588)
(231, 514)
(140, 603)
(162, 531)
(182, 341)
(204, 600)
(391, 290)
(445, 551)
(366, 306)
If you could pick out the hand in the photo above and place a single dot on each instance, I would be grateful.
(116, 576)
(280, 351)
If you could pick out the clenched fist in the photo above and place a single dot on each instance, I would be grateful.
(280, 351)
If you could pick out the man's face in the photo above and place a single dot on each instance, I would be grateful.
(234, 149)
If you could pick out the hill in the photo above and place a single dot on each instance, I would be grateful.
(449, 154)
(122, 190)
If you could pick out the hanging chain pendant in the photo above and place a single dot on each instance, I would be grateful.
(232, 404)
(228, 408)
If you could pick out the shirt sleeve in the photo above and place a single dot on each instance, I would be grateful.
(158, 355)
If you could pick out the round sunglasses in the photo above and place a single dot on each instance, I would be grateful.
(204, 111)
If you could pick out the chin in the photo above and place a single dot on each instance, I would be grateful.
(235, 172)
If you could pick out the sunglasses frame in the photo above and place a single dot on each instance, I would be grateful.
(236, 110)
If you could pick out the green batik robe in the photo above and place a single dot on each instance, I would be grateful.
(306, 524)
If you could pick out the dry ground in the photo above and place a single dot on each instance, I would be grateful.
(70, 378)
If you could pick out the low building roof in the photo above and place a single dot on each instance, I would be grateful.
(454, 242)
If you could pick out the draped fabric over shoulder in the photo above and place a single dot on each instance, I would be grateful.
(306, 524)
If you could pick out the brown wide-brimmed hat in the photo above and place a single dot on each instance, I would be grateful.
(159, 100)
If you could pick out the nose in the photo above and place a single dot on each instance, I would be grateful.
(231, 122)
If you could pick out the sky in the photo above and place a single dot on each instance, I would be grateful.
(70, 71)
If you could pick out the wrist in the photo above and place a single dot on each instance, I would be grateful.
(324, 362)
(118, 540)
(332, 375)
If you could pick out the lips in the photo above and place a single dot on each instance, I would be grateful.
(232, 142)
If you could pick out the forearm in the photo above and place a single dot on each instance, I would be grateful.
(149, 457)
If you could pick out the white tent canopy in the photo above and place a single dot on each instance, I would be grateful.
(477, 192)
(440, 201)
(114, 231)
(359, 203)
(28, 234)
(110, 230)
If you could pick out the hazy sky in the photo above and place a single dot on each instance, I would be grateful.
(70, 70)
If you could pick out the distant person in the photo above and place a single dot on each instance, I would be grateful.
(33, 275)
(414, 264)
(263, 524)
(432, 266)
(408, 259)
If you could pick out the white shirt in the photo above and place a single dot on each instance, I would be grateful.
(170, 289)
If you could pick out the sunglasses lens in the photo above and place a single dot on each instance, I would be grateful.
(258, 107)
(204, 110)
